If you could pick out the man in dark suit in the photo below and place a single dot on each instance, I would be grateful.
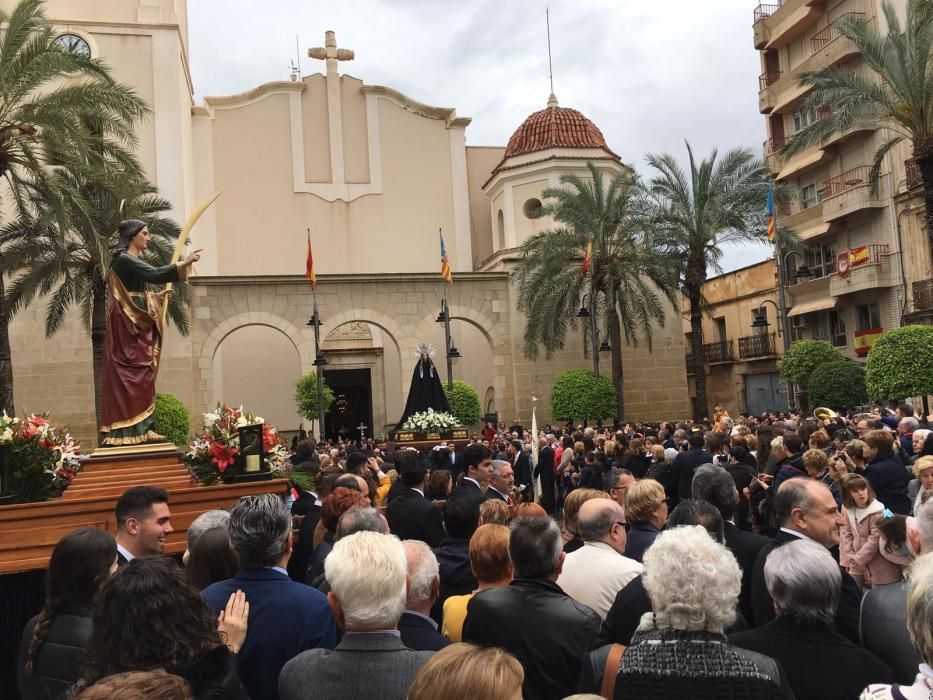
(806, 509)
(285, 617)
(453, 461)
(819, 662)
(477, 461)
(685, 464)
(411, 516)
(544, 470)
(419, 631)
(716, 486)
(367, 572)
(521, 465)
(143, 523)
(501, 483)
(461, 516)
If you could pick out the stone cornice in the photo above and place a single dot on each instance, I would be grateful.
(244, 98)
(448, 114)
(381, 278)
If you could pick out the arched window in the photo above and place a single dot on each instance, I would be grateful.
(500, 230)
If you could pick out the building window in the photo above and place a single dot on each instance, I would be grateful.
(821, 260)
(72, 43)
(803, 118)
(532, 208)
(500, 229)
(807, 196)
(837, 329)
(868, 317)
(720, 329)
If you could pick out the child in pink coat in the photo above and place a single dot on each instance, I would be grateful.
(859, 549)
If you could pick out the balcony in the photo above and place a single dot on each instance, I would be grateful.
(775, 26)
(859, 269)
(850, 192)
(912, 171)
(714, 353)
(923, 295)
(760, 345)
(799, 215)
(824, 37)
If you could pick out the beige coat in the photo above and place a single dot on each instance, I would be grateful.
(859, 547)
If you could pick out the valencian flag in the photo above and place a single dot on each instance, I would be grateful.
(309, 264)
(587, 256)
(446, 272)
(772, 227)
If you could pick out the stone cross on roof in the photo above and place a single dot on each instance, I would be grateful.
(330, 53)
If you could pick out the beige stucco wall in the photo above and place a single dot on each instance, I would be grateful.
(480, 162)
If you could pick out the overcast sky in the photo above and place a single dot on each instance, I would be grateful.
(649, 74)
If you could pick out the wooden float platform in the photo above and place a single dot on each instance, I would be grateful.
(29, 531)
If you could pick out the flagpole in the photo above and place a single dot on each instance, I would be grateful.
(782, 301)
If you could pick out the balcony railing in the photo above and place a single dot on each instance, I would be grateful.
(847, 181)
(923, 294)
(759, 345)
(764, 11)
(820, 40)
(768, 78)
(914, 178)
(773, 145)
(718, 352)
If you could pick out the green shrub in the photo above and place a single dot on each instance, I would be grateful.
(838, 385)
(803, 357)
(464, 403)
(306, 396)
(172, 419)
(900, 364)
(578, 394)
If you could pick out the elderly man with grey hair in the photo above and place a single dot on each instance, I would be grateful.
(533, 618)
(368, 574)
(207, 520)
(598, 570)
(883, 623)
(286, 617)
(501, 481)
(804, 580)
(419, 631)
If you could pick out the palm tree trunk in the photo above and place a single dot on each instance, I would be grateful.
(98, 334)
(615, 361)
(6, 360)
(700, 409)
(923, 155)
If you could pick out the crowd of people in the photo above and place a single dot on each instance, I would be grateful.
(778, 556)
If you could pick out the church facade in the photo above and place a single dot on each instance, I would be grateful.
(375, 176)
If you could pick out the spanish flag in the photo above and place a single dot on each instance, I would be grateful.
(446, 272)
(309, 264)
(858, 256)
(772, 227)
(587, 256)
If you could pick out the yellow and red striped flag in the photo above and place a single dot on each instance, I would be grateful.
(309, 264)
(446, 272)
(587, 256)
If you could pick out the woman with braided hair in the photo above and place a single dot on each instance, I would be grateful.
(54, 641)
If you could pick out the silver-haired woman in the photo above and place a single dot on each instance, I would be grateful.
(679, 650)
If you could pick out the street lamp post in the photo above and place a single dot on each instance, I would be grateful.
(319, 362)
(450, 350)
(590, 313)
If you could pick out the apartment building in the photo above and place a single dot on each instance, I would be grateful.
(743, 340)
(850, 283)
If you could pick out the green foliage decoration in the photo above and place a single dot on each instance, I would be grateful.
(464, 402)
(838, 385)
(172, 419)
(803, 357)
(900, 364)
(578, 394)
(306, 396)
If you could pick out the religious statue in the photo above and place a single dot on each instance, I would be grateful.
(133, 341)
(426, 390)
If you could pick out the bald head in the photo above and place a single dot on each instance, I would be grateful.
(597, 517)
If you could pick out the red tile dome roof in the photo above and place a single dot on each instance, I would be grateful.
(555, 127)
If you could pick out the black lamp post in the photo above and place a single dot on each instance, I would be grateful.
(590, 313)
(450, 350)
(761, 322)
(319, 362)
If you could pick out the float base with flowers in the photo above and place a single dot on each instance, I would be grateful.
(29, 531)
(426, 429)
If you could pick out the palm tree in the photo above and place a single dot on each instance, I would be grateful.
(898, 94)
(72, 266)
(55, 107)
(720, 201)
(628, 274)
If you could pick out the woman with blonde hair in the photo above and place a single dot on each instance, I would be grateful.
(490, 564)
(494, 511)
(575, 499)
(646, 512)
(468, 672)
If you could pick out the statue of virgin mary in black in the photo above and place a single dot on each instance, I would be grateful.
(426, 390)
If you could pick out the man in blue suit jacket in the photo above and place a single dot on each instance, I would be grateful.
(285, 617)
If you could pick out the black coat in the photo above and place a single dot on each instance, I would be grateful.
(301, 554)
(453, 561)
(522, 469)
(640, 537)
(545, 629)
(411, 516)
(683, 467)
(419, 634)
(305, 503)
(850, 598)
(818, 662)
(57, 664)
(745, 547)
(889, 479)
(214, 676)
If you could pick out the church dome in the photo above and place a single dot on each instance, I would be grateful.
(555, 127)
